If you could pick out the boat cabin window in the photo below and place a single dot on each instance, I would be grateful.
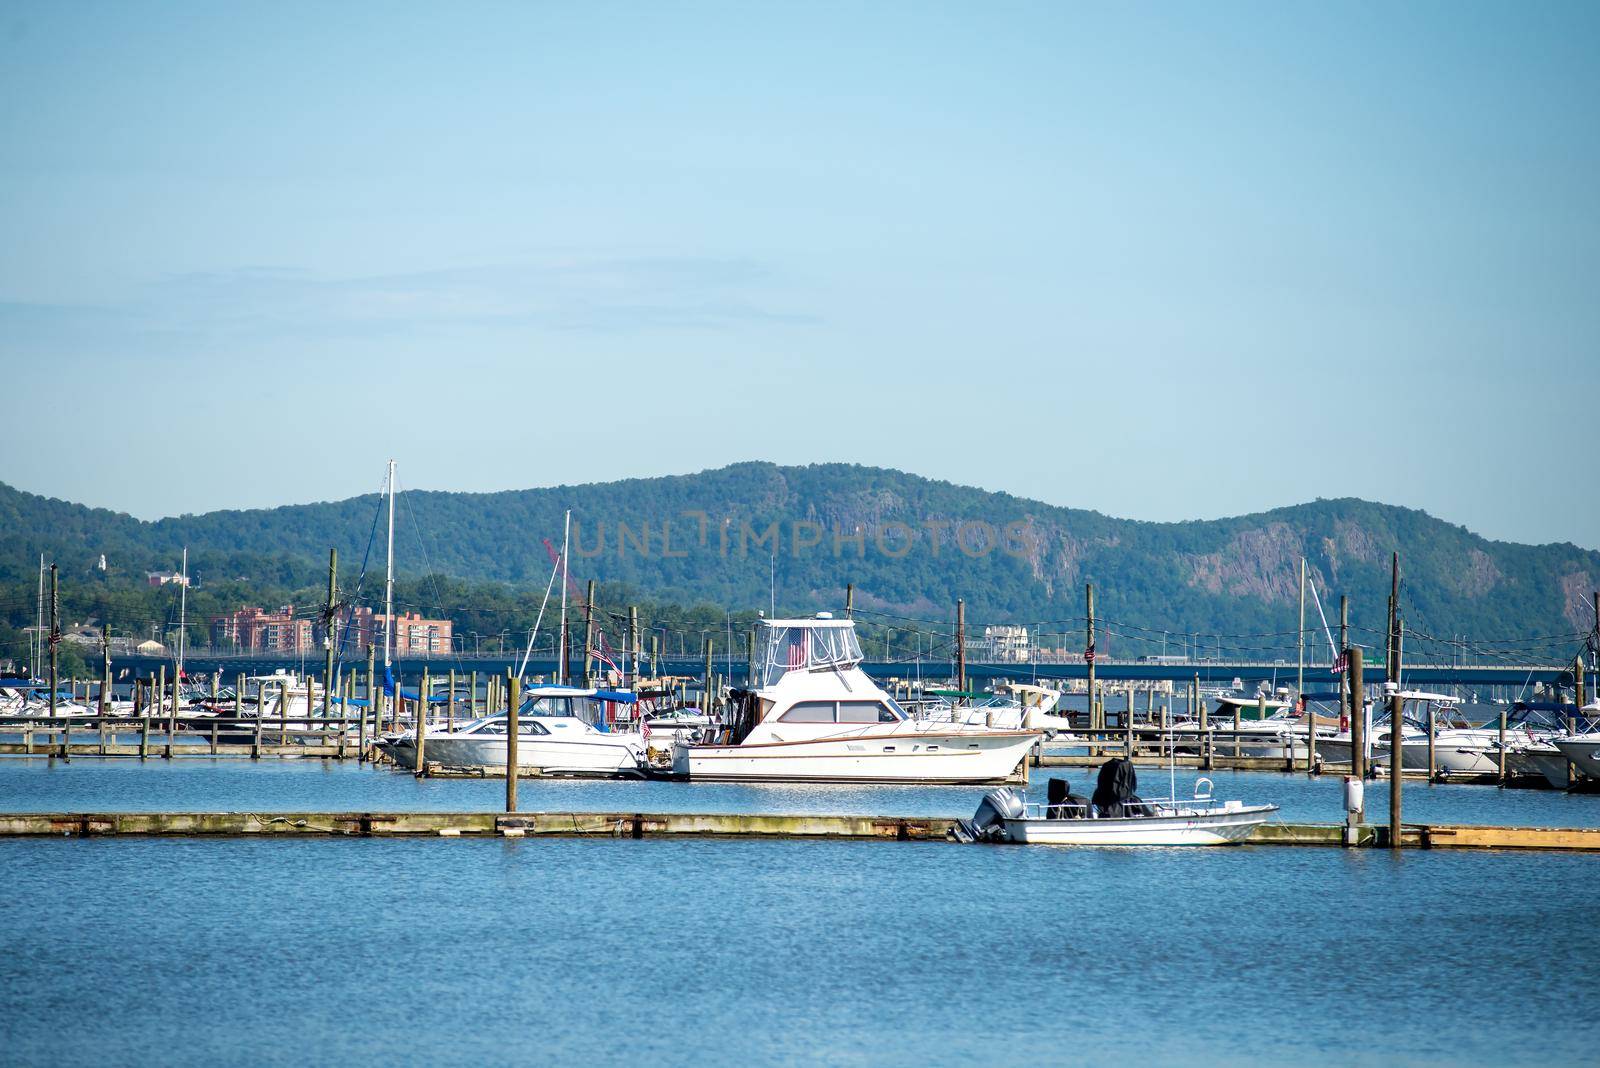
(809, 712)
(548, 706)
(865, 712)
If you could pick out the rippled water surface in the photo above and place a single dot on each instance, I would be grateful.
(690, 951)
(234, 784)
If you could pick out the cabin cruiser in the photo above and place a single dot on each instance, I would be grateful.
(1461, 747)
(1583, 750)
(1018, 706)
(560, 730)
(815, 716)
(1115, 815)
(1280, 733)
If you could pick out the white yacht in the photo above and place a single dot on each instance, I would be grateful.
(554, 735)
(815, 716)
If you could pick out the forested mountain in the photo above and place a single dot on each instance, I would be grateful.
(910, 545)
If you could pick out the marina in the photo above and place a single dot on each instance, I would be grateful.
(765, 534)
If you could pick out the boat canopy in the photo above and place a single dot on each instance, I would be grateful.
(805, 645)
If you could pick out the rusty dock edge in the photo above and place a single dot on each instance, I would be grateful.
(709, 825)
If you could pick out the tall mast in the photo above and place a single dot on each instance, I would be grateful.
(1300, 675)
(38, 629)
(183, 610)
(566, 533)
(388, 581)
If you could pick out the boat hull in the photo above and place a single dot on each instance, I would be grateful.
(956, 758)
(609, 756)
(1225, 827)
(1584, 755)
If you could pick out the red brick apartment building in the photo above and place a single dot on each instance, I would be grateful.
(255, 630)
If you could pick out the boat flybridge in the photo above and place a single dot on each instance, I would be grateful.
(815, 716)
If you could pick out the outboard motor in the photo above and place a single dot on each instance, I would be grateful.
(1114, 792)
(1061, 803)
(988, 823)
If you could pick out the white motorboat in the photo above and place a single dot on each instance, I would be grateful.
(1583, 750)
(559, 731)
(1020, 706)
(1539, 759)
(815, 716)
(1004, 815)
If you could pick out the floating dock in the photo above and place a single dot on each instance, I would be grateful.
(706, 825)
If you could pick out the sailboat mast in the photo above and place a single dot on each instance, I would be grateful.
(183, 610)
(566, 533)
(1300, 677)
(388, 581)
(37, 648)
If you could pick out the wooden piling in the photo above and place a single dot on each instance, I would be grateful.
(1358, 712)
(512, 763)
(172, 717)
(144, 720)
(361, 724)
(158, 700)
(450, 704)
(1433, 774)
(421, 718)
(1501, 771)
(1397, 705)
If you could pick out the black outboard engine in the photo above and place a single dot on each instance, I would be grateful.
(1114, 793)
(988, 823)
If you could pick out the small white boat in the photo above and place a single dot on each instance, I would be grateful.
(1201, 820)
(551, 744)
(554, 735)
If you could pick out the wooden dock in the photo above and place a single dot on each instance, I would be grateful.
(705, 825)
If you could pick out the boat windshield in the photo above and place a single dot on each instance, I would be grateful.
(806, 645)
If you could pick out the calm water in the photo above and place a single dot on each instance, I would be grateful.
(369, 952)
(231, 784)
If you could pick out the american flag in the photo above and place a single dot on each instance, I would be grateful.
(797, 650)
(1341, 664)
(644, 728)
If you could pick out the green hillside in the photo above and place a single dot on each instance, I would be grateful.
(910, 545)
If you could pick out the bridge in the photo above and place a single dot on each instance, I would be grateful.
(1319, 677)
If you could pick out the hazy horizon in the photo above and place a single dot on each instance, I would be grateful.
(1161, 262)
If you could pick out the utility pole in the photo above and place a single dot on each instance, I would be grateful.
(1088, 656)
(1392, 661)
(588, 634)
(961, 646)
(105, 665)
(327, 635)
(849, 600)
(633, 646)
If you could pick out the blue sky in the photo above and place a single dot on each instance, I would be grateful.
(1164, 261)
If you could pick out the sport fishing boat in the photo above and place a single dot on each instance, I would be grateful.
(1115, 816)
(815, 716)
(557, 733)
